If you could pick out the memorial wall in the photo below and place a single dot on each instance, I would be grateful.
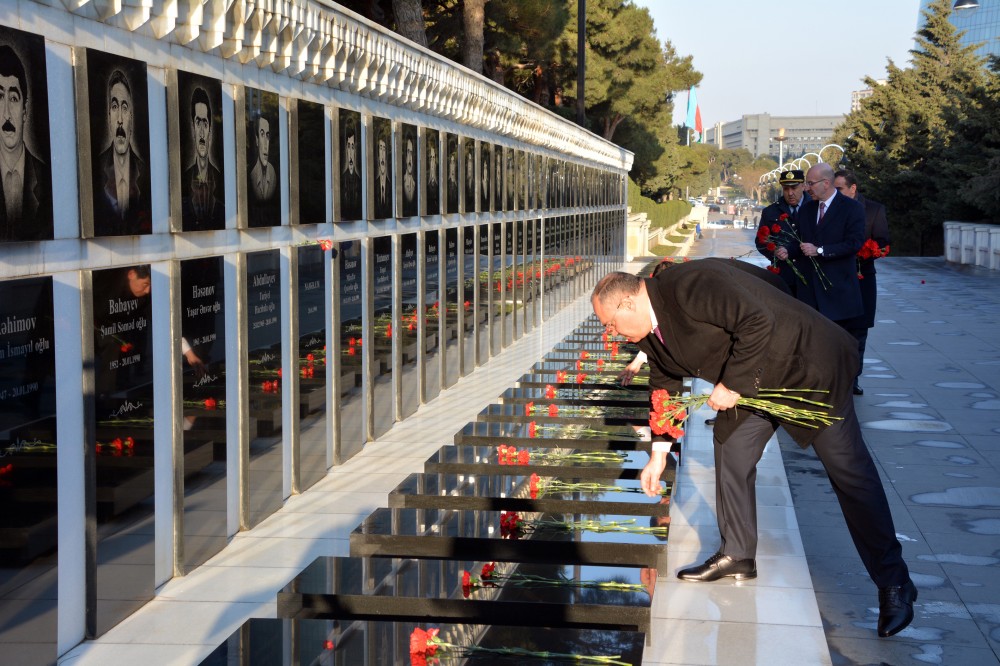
(236, 245)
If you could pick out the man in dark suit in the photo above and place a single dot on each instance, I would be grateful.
(735, 326)
(350, 177)
(121, 185)
(832, 229)
(784, 213)
(202, 201)
(877, 229)
(25, 180)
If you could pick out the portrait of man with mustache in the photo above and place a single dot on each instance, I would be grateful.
(120, 174)
(25, 178)
(203, 202)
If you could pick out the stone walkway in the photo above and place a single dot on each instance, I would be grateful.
(931, 416)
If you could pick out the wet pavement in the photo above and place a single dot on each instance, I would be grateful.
(931, 417)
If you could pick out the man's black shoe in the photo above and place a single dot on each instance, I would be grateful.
(858, 390)
(710, 421)
(720, 566)
(895, 608)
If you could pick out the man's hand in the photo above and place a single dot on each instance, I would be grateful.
(651, 473)
(626, 376)
(808, 249)
(722, 398)
(781, 253)
(196, 363)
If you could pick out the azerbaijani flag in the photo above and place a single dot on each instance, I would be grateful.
(694, 116)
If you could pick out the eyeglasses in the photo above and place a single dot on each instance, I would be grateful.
(810, 183)
(611, 324)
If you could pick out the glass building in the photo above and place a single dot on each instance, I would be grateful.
(979, 19)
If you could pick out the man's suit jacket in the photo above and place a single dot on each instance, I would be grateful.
(769, 217)
(840, 234)
(207, 214)
(876, 228)
(36, 204)
(109, 218)
(731, 322)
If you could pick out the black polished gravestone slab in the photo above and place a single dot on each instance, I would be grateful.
(573, 462)
(608, 539)
(590, 415)
(497, 593)
(516, 491)
(605, 438)
(282, 642)
(623, 396)
(579, 380)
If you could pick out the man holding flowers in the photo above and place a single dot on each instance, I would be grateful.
(777, 230)
(735, 325)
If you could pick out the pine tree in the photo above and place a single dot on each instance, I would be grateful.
(901, 142)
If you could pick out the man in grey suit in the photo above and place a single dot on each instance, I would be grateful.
(121, 181)
(736, 326)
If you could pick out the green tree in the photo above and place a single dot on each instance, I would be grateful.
(904, 141)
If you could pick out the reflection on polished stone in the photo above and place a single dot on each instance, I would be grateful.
(518, 492)
(618, 438)
(497, 593)
(457, 459)
(282, 642)
(481, 535)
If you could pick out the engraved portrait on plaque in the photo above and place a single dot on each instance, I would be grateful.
(381, 168)
(119, 145)
(409, 168)
(350, 165)
(451, 148)
(203, 197)
(433, 195)
(262, 159)
(25, 175)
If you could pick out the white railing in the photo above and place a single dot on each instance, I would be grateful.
(971, 243)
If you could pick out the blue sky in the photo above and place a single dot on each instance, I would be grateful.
(789, 58)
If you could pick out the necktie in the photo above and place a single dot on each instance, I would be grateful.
(822, 211)
(659, 337)
(122, 197)
(12, 194)
(794, 209)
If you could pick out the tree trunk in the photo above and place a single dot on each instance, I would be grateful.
(410, 20)
(473, 16)
(611, 124)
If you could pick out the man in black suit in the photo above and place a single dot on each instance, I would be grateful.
(832, 229)
(121, 185)
(877, 229)
(202, 202)
(784, 213)
(26, 192)
(383, 183)
(736, 326)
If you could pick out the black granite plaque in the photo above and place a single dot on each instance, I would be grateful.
(26, 210)
(512, 319)
(484, 287)
(520, 180)
(485, 162)
(498, 179)
(452, 308)
(118, 104)
(311, 137)
(262, 158)
(349, 164)
(578, 463)
(432, 315)
(467, 296)
(312, 365)
(586, 538)
(451, 178)
(509, 178)
(613, 438)
(381, 346)
(500, 593)
(408, 167)
(122, 483)
(409, 324)
(203, 344)
(202, 168)
(284, 642)
(381, 169)
(351, 414)
(432, 171)
(28, 524)
(263, 321)
(500, 314)
(469, 174)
